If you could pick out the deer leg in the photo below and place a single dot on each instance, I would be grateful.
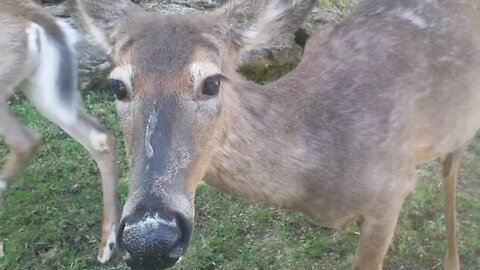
(375, 237)
(22, 143)
(451, 172)
(101, 145)
(376, 232)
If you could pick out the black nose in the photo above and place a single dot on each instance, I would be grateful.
(152, 242)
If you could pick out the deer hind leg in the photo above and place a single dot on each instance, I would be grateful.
(22, 143)
(451, 172)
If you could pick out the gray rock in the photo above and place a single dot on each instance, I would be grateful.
(317, 17)
(261, 65)
(59, 10)
(93, 63)
(269, 64)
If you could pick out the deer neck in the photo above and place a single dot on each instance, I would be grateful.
(250, 160)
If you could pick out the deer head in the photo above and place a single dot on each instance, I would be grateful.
(172, 75)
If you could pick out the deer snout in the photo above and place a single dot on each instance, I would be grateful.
(152, 241)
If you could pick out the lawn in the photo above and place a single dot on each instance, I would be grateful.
(50, 216)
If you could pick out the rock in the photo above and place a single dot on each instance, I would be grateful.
(269, 64)
(317, 17)
(93, 63)
(263, 65)
(58, 10)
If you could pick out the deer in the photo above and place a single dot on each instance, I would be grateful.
(39, 60)
(391, 86)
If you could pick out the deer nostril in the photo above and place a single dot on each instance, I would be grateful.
(151, 240)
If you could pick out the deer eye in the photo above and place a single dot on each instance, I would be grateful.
(117, 87)
(211, 85)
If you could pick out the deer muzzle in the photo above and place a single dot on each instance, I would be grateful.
(152, 242)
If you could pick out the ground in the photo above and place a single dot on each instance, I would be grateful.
(50, 216)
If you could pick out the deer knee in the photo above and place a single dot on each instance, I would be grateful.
(101, 141)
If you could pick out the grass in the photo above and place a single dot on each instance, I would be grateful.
(50, 216)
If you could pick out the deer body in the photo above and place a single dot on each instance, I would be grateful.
(394, 85)
(38, 58)
(341, 115)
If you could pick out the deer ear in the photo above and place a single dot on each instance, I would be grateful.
(100, 19)
(256, 22)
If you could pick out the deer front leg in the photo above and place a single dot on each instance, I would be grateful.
(102, 147)
(22, 143)
(451, 172)
(376, 232)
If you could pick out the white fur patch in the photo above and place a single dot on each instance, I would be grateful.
(43, 89)
(3, 185)
(198, 72)
(150, 221)
(413, 18)
(71, 34)
(124, 73)
(99, 140)
(33, 38)
(201, 70)
(107, 252)
(152, 123)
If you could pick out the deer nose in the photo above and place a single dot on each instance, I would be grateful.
(152, 242)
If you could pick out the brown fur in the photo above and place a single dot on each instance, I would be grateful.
(394, 85)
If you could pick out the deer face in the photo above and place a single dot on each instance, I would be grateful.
(174, 81)
(171, 77)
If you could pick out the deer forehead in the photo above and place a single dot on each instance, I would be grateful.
(163, 44)
(203, 63)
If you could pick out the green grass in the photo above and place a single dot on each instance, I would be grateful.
(46, 223)
(50, 217)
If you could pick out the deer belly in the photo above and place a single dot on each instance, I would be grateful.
(443, 143)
